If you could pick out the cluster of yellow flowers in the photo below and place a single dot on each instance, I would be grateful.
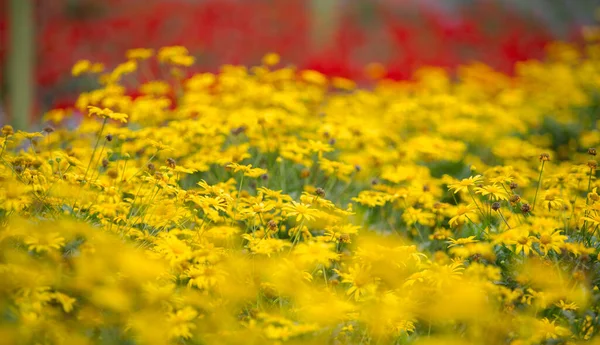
(267, 205)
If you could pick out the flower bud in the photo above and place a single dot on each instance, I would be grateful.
(496, 206)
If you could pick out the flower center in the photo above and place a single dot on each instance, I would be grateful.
(523, 240)
(545, 239)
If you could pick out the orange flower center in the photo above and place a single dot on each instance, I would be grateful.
(545, 239)
(523, 240)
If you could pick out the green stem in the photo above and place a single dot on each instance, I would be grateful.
(573, 207)
(124, 168)
(4, 146)
(538, 185)
(589, 187)
(98, 161)
(95, 148)
(297, 235)
(141, 168)
(504, 219)
(237, 198)
(283, 176)
(587, 200)
(475, 202)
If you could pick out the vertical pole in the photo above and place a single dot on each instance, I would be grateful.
(20, 62)
(324, 18)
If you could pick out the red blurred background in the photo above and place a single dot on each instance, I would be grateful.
(337, 37)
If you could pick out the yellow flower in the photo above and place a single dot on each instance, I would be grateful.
(302, 212)
(56, 115)
(551, 240)
(547, 329)
(464, 184)
(29, 136)
(360, 279)
(314, 252)
(552, 201)
(184, 170)
(413, 215)
(566, 306)
(340, 170)
(270, 59)
(107, 113)
(462, 214)
(64, 300)
(371, 198)
(343, 83)
(121, 69)
(255, 172)
(319, 147)
(139, 54)
(97, 67)
(238, 167)
(160, 146)
(182, 60)
(177, 55)
(524, 242)
(173, 249)
(313, 77)
(461, 241)
(493, 192)
(81, 67)
(7, 130)
(180, 322)
(266, 246)
(544, 157)
(44, 242)
(155, 88)
(262, 207)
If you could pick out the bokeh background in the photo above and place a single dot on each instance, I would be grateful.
(337, 37)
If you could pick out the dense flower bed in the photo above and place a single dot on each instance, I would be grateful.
(266, 205)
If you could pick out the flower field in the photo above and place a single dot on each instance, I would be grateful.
(269, 205)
